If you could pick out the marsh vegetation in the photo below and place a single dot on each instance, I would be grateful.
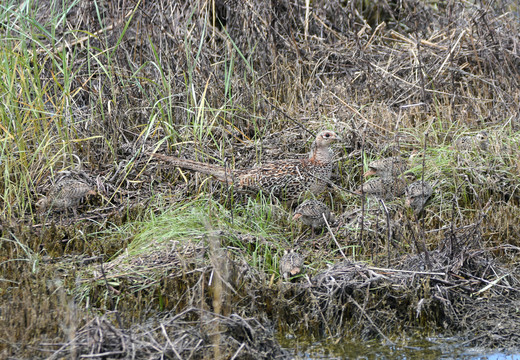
(151, 260)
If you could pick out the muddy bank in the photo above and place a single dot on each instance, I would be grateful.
(155, 260)
(233, 309)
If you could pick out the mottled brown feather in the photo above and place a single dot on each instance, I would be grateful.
(417, 195)
(311, 213)
(285, 179)
(386, 188)
(64, 195)
(291, 264)
(387, 167)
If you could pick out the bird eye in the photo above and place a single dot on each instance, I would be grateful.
(326, 135)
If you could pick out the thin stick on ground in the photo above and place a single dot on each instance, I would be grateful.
(333, 237)
(388, 231)
(389, 342)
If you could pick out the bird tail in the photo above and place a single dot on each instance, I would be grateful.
(219, 172)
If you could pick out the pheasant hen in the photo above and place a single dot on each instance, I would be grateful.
(285, 179)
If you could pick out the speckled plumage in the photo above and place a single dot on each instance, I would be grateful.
(386, 188)
(291, 264)
(64, 195)
(311, 213)
(417, 194)
(387, 167)
(479, 141)
(285, 179)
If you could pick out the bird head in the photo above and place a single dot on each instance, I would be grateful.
(327, 137)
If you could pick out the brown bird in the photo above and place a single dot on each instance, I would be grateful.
(311, 213)
(291, 264)
(386, 188)
(478, 142)
(391, 166)
(64, 195)
(417, 194)
(285, 179)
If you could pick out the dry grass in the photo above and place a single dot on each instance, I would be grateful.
(90, 87)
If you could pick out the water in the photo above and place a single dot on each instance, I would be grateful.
(425, 349)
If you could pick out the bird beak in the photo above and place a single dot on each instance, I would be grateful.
(295, 271)
(369, 172)
(297, 216)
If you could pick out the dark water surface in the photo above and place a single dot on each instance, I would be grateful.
(438, 348)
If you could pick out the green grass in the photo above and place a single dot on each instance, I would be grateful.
(256, 232)
(43, 136)
(194, 221)
(80, 97)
